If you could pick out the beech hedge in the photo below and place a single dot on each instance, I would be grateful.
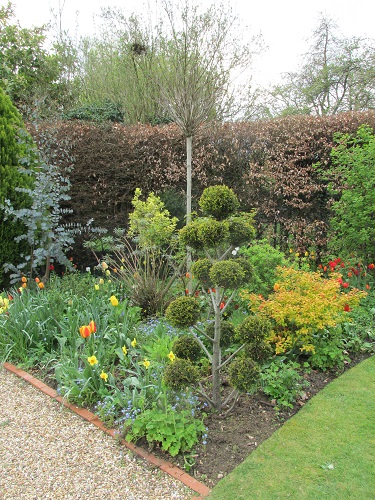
(268, 164)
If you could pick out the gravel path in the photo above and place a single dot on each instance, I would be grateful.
(47, 452)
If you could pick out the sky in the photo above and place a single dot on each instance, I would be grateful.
(285, 24)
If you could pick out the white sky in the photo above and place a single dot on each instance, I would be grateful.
(285, 24)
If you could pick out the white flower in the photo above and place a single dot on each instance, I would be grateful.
(234, 252)
(88, 270)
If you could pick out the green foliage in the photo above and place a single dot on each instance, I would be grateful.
(16, 151)
(330, 352)
(176, 432)
(264, 260)
(201, 271)
(187, 347)
(227, 274)
(353, 165)
(283, 381)
(30, 74)
(183, 312)
(241, 228)
(106, 111)
(150, 223)
(244, 374)
(181, 374)
(218, 201)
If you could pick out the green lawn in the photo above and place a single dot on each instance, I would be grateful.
(327, 450)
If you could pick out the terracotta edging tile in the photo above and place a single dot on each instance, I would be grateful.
(87, 415)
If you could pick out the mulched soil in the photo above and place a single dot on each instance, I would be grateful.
(232, 438)
(253, 420)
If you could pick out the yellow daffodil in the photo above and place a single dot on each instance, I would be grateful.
(124, 350)
(146, 364)
(96, 286)
(104, 376)
(171, 356)
(108, 272)
(101, 281)
(41, 285)
(92, 360)
(113, 300)
(133, 342)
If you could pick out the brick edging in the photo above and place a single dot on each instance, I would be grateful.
(87, 415)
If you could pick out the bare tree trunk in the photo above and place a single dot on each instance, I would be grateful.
(189, 142)
(216, 356)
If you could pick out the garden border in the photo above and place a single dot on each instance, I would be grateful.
(87, 415)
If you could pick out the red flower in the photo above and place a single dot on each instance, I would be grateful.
(222, 305)
(51, 267)
(345, 285)
(371, 266)
(347, 308)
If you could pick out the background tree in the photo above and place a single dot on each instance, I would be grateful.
(352, 181)
(336, 75)
(15, 147)
(35, 78)
(199, 55)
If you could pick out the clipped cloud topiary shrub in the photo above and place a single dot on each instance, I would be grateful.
(219, 202)
(181, 374)
(183, 312)
(227, 274)
(244, 374)
(187, 347)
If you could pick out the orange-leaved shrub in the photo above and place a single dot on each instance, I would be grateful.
(303, 305)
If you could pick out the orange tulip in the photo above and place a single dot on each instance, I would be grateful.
(85, 331)
(92, 326)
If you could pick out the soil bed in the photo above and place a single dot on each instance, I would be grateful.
(253, 420)
(232, 438)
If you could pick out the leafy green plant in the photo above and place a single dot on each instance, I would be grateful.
(351, 180)
(264, 260)
(283, 381)
(176, 432)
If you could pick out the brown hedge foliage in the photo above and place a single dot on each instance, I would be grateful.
(269, 164)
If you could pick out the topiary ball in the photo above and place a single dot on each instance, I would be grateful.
(227, 274)
(241, 231)
(253, 329)
(182, 312)
(244, 374)
(201, 271)
(218, 201)
(189, 236)
(181, 374)
(187, 347)
(212, 232)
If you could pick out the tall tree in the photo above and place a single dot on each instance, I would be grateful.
(200, 54)
(337, 74)
(31, 75)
